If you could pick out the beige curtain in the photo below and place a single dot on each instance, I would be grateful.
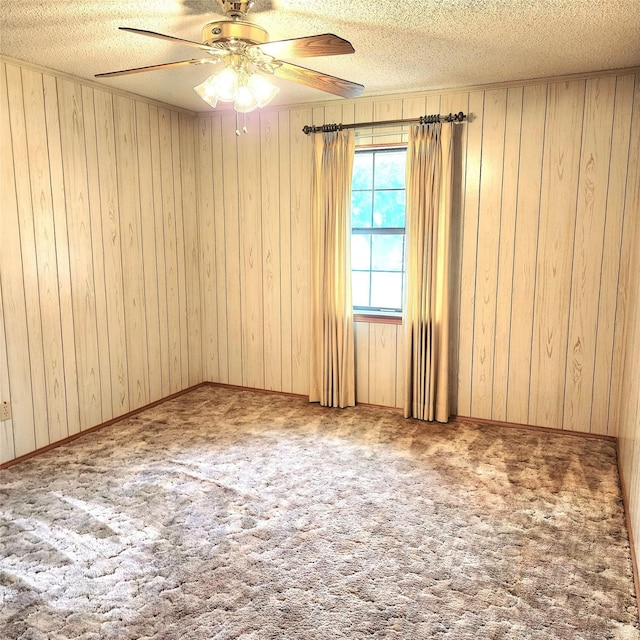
(332, 379)
(426, 311)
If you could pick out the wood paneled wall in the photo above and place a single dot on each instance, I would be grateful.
(629, 433)
(541, 250)
(629, 436)
(254, 204)
(145, 250)
(99, 259)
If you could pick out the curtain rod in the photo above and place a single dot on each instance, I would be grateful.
(326, 128)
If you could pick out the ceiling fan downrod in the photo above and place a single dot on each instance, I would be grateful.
(236, 8)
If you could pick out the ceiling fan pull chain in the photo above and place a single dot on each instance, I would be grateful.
(244, 123)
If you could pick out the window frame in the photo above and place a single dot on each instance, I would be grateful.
(379, 315)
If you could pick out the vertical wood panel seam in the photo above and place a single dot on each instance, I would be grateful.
(602, 249)
(185, 301)
(535, 271)
(4, 339)
(37, 265)
(194, 137)
(277, 126)
(93, 271)
(625, 218)
(395, 360)
(166, 158)
(198, 245)
(104, 264)
(181, 269)
(55, 234)
(24, 116)
(371, 346)
(143, 302)
(143, 281)
(495, 309)
(205, 372)
(71, 310)
(160, 373)
(513, 263)
(240, 204)
(475, 273)
(463, 206)
(224, 208)
(214, 259)
(215, 123)
(205, 366)
(194, 245)
(224, 251)
(175, 235)
(125, 384)
(22, 257)
(370, 357)
(291, 243)
(94, 203)
(261, 201)
(573, 257)
(4, 88)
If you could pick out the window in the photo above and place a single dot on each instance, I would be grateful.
(378, 230)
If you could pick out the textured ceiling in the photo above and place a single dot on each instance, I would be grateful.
(400, 46)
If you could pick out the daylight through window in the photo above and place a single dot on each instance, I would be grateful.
(378, 230)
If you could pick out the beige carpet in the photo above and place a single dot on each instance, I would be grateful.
(233, 514)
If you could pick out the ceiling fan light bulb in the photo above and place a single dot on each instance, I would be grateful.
(245, 100)
(262, 89)
(226, 84)
(207, 91)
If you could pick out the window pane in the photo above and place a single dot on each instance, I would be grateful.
(361, 251)
(389, 208)
(378, 220)
(361, 208)
(388, 252)
(362, 171)
(360, 288)
(386, 290)
(390, 169)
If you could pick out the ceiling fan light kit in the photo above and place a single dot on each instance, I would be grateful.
(247, 54)
(235, 83)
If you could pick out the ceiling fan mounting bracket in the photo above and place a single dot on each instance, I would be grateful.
(225, 30)
(235, 8)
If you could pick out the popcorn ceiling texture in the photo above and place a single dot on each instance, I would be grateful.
(400, 46)
(234, 514)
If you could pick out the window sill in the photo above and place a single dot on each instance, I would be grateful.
(379, 319)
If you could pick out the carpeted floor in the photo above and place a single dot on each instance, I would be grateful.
(234, 514)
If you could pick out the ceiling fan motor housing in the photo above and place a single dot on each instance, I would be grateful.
(225, 30)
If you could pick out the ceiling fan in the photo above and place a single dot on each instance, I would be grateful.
(246, 55)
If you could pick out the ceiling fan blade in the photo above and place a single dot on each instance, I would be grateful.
(154, 67)
(325, 44)
(162, 36)
(317, 80)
